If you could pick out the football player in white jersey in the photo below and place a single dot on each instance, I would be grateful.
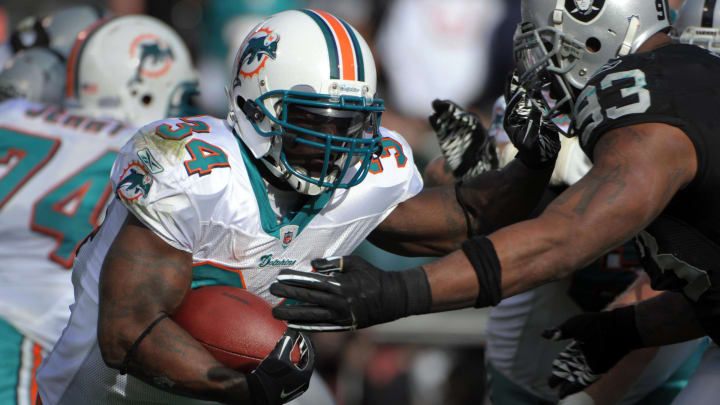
(299, 169)
(55, 162)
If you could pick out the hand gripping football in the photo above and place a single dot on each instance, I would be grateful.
(236, 326)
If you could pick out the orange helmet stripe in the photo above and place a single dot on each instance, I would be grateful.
(348, 65)
(71, 73)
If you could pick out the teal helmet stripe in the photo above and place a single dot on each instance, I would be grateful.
(358, 51)
(329, 41)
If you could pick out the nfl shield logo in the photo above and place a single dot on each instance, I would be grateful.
(287, 234)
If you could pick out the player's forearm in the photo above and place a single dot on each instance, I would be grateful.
(525, 256)
(667, 319)
(172, 360)
(501, 197)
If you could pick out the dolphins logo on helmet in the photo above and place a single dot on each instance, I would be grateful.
(156, 56)
(261, 46)
(584, 10)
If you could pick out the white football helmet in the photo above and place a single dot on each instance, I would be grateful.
(133, 68)
(697, 24)
(563, 42)
(56, 31)
(309, 78)
(35, 74)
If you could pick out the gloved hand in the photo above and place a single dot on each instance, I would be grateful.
(277, 379)
(464, 142)
(347, 293)
(535, 136)
(601, 340)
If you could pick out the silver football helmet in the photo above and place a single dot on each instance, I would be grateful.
(697, 24)
(35, 74)
(56, 31)
(563, 42)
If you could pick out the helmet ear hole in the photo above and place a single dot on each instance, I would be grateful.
(146, 99)
(593, 45)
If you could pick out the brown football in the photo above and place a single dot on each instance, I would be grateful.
(236, 326)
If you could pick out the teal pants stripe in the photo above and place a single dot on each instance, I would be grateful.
(11, 355)
(19, 358)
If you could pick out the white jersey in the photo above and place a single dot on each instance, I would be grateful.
(193, 183)
(54, 169)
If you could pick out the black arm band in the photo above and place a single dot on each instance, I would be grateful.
(626, 330)
(419, 297)
(461, 202)
(131, 353)
(481, 254)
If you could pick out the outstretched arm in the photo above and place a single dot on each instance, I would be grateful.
(638, 169)
(437, 220)
(433, 223)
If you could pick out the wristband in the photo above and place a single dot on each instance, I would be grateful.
(625, 329)
(419, 297)
(482, 256)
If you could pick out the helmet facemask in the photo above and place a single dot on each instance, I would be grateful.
(320, 142)
(543, 57)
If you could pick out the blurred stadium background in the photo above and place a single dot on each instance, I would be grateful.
(424, 49)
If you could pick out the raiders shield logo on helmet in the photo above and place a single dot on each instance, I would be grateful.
(584, 10)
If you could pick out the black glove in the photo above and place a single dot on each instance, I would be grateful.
(277, 379)
(535, 136)
(601, 340)
(464, 142)
(355, 294)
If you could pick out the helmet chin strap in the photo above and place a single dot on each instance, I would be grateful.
(633, 25)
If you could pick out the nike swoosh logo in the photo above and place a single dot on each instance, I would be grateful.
(284, 394)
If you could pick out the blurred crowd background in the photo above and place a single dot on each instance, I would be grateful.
(424, 49)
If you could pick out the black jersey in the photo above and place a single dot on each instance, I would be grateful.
(678, 85)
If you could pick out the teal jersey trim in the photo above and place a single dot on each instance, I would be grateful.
(208, 274)
(267, 217)
(330, 42)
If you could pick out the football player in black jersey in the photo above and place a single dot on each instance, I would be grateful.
(644, 108)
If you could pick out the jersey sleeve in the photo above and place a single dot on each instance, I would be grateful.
(411, 180)
(395, 176)
(657, 86)
(146, 181)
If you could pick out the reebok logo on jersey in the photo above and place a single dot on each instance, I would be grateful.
(149, 161)
(267, 261)
(135, 182)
